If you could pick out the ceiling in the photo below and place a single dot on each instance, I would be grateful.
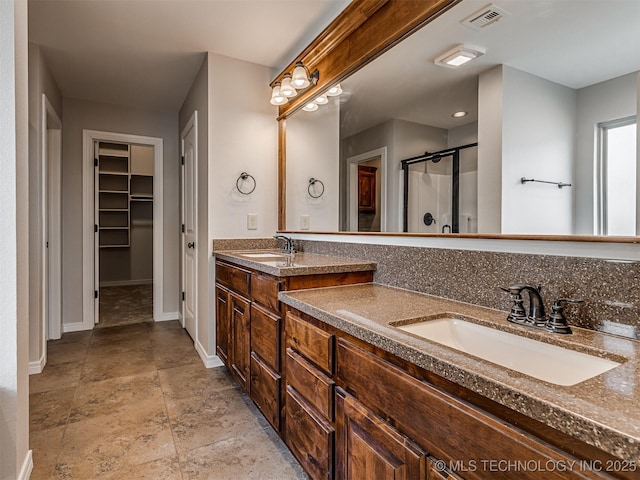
(146, 53)
(570, 42)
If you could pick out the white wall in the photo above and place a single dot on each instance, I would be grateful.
(538, 121)
(313, 151)
(490, 151)
(40, 81)
(237, 132)
(14, 240)
(79, 115)
(242, 137)
(610, 100)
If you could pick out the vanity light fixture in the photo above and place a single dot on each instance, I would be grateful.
(310, 107)
(334, 91)
(321, 100)
(459, 114)
(277, 98)
(458, 56)
(286, 88)
(302, 78)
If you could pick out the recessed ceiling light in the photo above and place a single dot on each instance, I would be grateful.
(459, 114)
(458, 56)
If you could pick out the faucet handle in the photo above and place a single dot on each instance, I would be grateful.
(517, 314)
(557, 322)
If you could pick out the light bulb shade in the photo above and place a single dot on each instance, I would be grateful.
(310, 107)
(286, 88)
(334, 91)
(300, 78)
(321, 100)
(276, 96)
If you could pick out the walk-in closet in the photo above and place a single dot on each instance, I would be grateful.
(124, 222)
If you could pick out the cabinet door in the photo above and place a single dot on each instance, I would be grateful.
(240, 328)
(368, 447)
(222, 325)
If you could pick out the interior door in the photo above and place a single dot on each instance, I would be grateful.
(189, 226)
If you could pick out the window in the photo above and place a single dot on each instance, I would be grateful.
(616, 168)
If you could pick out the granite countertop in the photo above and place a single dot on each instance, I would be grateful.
(275, 262)
(603, 411)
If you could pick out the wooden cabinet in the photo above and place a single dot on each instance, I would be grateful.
(366, 188)
(391, 423)
(368, 447)
(249, 330)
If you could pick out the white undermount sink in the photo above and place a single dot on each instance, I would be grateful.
(262, 255)
(540, 360)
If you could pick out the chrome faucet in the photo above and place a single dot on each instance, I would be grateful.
(289, 247)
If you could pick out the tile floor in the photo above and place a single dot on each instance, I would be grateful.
(135, 402)
(125, 305)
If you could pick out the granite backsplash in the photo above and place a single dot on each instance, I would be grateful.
(610, 288)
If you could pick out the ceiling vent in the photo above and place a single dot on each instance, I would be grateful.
(484, 17)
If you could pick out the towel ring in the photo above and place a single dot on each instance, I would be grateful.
(243, 176)
(313, 181)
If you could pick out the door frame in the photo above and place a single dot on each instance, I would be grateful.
(192, 123)
(51, 223)
(89, 269)
(352, 184)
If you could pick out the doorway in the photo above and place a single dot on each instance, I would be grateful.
(122, 210)
(367, 191)
(124, 219)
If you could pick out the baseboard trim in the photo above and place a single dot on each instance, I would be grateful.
(210, 361)
(166, 316)
(37, 366)
(27, 467)
(73, 327)
(127, 283)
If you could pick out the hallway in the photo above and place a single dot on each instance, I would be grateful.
(135, 402)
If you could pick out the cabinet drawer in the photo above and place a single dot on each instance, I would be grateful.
(265, 391)
(264, 290)
(235, 278)
(444, 426)
(313, 343)
(311, 383)
(265, 336)
(309, 437)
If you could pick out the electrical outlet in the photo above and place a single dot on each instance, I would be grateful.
(252, 221)
(305, 222)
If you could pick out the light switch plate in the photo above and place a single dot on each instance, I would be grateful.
(252, 221)
(305, 222)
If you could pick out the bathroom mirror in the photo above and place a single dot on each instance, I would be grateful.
(551, 95)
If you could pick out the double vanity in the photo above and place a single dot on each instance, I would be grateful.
(363, 380)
